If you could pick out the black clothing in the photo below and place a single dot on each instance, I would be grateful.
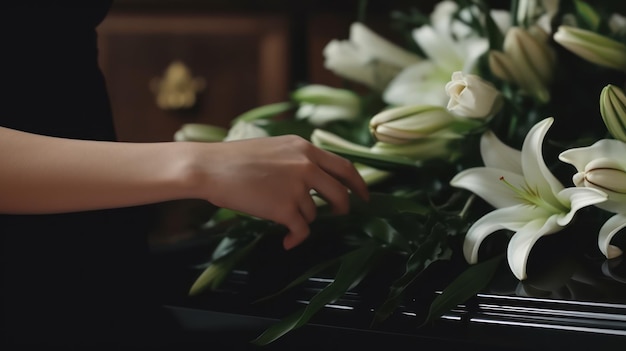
(77, 277)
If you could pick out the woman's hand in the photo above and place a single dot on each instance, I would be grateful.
(272, 178)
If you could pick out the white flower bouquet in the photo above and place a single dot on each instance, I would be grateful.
(508, 121)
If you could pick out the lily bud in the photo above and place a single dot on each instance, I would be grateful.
(601, 166)
(323, 138)
(200, 132)
(437, 146)
(406, 124)
(593, 47)
(613, 110)
(527, 61)
(604, 174)
(321, 104)
(472, 97)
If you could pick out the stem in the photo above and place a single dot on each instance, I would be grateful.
(467, 206)
(362, 10)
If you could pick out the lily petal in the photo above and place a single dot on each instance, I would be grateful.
(439, 48)
(511, 218)
(522, 243)
(579, 197)
(485, 182)
(536, 171)
(419, 84)
(611, 227)
(499, 155)
(609, 148)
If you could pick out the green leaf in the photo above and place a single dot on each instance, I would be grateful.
(380, 161)
(465, 286)
(384, 205)
(306, 275)
(588, 15)
(219, 269)
(431, 250)
(283, 127)
(354, 266)
(262, 112)
(380, 230)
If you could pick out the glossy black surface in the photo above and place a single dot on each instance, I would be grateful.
(576, 299)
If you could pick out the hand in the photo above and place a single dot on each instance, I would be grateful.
(272, 178)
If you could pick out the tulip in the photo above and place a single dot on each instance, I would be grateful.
(472, 97)
(406, 124)
(613, 111)
(200, 132)
(593, 47)
(602, 166)
(530, 200)
(526, 60)
(321, 104)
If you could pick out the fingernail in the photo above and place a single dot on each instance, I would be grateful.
(288, 243)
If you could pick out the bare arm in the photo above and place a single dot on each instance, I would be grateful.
(268, 177)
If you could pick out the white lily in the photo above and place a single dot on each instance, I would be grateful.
(530, 200)
(367, 58)
(424, 82)
(602, 166)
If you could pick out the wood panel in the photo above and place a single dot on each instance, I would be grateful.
(243, 59)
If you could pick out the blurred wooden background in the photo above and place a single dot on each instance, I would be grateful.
(247, 52)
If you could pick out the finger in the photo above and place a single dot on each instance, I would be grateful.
(298, 232)
(308, 208)
(331, 190)
(344, 171)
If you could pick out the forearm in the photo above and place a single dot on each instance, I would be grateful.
(50, 175)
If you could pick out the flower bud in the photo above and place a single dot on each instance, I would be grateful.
(613, 111)
(601, 166)
(593, 47)
(437, 146)
(324, 139)
(472, 97)
(605, 174)
(321, 104)
(406, 124)
(527, 61)
(200, 132)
